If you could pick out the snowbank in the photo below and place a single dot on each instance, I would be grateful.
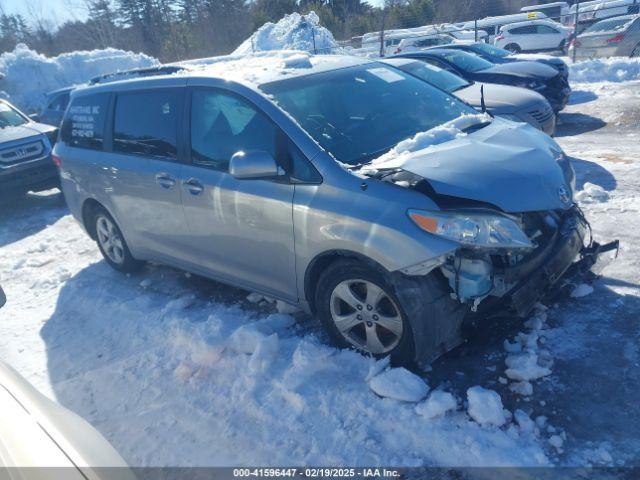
(605, 70)
(28, 76)
(292, 32)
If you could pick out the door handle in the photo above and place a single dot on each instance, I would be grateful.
(194, 186)
(165, 180)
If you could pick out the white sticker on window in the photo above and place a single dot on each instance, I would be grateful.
(386, 74)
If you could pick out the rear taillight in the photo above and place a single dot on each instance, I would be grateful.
(616, 39)
(56, 160)
(574, 43)
(500, 37)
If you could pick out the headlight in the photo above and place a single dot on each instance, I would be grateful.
(472, 229)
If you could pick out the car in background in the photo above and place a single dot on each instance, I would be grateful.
(25, 153)
(56, 104)
(423, 41)
(558, 11)
(499, 55)
(545, 80)
(513, 103)
(41, 439)
(593, 12)
(492, 25)
(542, 35)
(613, 37)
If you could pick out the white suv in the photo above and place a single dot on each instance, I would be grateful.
(424, 41)
(533, 36)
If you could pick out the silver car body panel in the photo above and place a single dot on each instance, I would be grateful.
(265, 236)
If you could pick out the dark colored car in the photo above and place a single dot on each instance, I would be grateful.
(545, 80)
(25, 152)
(497, 55)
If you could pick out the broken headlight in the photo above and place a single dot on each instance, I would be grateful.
(475, 230)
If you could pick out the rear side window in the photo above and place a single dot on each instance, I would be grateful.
(83, 126)
(59, 103)
(146, 123)
(527, 30)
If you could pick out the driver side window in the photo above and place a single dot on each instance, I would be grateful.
(223, 124)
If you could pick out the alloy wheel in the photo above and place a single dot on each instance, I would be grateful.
(110, 239)
(366, 316)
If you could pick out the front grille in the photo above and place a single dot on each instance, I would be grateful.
(22, 153)
(542, 115)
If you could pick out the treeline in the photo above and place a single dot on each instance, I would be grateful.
(180, 29)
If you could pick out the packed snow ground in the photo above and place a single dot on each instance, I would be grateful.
(177, 370)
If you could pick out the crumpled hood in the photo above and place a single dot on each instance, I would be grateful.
(510, 165)
(20, 132)
(524, 69)
(501, 99)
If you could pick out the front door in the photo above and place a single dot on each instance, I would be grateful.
(242, 230)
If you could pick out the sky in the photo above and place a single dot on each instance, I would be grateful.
(56, 11)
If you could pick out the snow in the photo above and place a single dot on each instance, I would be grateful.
(614, 69)
(291, 32)
(485, 406)
(582, 290)
(399, 384)
(29, 76)
(423, 140)
(591, 193)
(438, 404)
(525, 367)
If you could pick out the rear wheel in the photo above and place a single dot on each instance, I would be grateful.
(111, 242)
(513, 47)
(636, 51)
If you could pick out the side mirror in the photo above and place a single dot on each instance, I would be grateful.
(254, 164)
(34, 116)
(3, 298)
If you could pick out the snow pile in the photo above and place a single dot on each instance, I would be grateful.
(423, 140)
(605, 70)
(28, 76)
(399, 384)
(292, 32)
(591, 193)
(437, 404)
(485, 407)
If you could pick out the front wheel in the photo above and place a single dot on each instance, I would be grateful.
(513, 47)
(111, 243)
(358, 307)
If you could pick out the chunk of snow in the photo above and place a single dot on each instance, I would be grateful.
(522, 388)
(485, 407)
(284, 307)
(204, 354)
(183, 372)
(399, 384)
(582, 290)
(28, 76)
(514, 347)
(524, 367)
(592, 193)
(377, 366)
(245, 339)
(291, 32)
(524, 421)
(556, 441)
(614, 69)
(264, 354)
(422, 140)
(437, 404)
(145, 283)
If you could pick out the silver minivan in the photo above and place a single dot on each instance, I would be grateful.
(268, 173)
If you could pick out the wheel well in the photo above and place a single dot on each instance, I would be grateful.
(320, 264)
(88, 208)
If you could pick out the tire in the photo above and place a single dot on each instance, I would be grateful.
(111, 242)
(349, 277)
(636, 51)
(513, 47)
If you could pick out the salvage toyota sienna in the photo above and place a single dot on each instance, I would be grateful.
(386, 207)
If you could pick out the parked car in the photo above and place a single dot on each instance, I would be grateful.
(37, 434)
(497, 55)
(533, 36)
(492, 25)
(614, 37)
(56, 104)
(558, 11)
(543, 79)
(513, 103)
(266, 173)
(593, 12)
(423, 41)
(25, 152)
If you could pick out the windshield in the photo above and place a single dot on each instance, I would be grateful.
(359, 113)
(467, 62)
(615, 25)
(435, 76)
(491, 50)
(10, 117)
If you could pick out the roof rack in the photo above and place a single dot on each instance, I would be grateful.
(136, 73)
